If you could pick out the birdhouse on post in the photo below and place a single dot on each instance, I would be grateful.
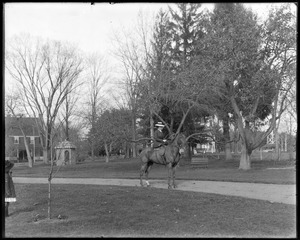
(65, 153)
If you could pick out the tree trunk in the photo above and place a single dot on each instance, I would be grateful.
(228, 154)
(127, 154)
(245, 163)
(276, 153)
(133, 136)
(151, 127)
(134, 149)
(107, 152)
(30, 162)
(49, 198)
(296, 139)
(46, 146)
(49, 188)
(235, 143)
(291, 148)
(67, 130)
(276, 135)
(189, 152)
(45, 155)
(93, 150)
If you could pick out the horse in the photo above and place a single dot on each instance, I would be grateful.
(171, 157)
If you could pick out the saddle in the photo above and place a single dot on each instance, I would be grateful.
(161, 150)
(158, 153)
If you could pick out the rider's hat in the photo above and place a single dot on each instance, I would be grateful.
(159, 124)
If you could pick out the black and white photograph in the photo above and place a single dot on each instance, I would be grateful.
(149, 120)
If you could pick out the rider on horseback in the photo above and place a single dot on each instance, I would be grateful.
(159, 141)
(162, 152)
(159, 136)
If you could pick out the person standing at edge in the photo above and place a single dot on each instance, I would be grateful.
(10, 194)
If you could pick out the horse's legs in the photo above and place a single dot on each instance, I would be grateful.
(174, 166)
(142, 171)
(169, 175)
(147, 172)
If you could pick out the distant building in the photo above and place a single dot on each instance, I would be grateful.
(210, 146)
(14, 139)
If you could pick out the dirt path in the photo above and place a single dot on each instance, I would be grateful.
(270, 192)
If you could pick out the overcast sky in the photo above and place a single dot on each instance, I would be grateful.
(88, 26)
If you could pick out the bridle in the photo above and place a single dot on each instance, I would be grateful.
(176, 138)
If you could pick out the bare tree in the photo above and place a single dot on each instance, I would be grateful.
(96, 80)
(127, 52)
(291, 99)
(46, 74)
(290, 114)
(132, 49)
(69, 111)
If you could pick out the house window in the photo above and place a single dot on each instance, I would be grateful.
(16, 140)
(31, 140)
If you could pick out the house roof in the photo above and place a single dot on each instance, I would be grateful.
(66, 145)
(28, 125)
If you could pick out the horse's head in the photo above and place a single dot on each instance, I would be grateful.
(179, 140)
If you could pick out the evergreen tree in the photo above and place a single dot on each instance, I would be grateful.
(186, 30)
(159, 70)
(161, 45)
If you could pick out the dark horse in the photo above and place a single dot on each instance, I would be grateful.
(171, 156)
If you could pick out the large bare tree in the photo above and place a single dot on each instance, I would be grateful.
(96, 77)
(69, 111)
(46, 72)
(131, 51)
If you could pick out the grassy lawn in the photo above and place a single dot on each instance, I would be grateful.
(217, 170)
(112, 211)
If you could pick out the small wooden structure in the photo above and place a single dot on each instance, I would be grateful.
(65, 153)
(199, 159)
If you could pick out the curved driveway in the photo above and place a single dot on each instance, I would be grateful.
(281, 193)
